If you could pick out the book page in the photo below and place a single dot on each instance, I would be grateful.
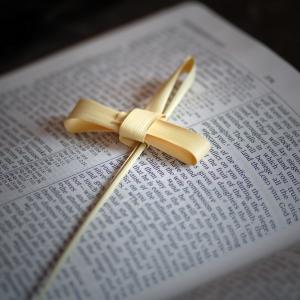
(274, 277)
(168, 227)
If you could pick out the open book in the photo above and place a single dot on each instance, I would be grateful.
(168, 228)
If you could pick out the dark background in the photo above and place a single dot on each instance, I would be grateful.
(31, 29)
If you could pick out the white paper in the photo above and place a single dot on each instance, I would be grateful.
(168, 227)
(275, 277)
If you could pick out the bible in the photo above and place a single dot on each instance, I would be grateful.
(227, 227)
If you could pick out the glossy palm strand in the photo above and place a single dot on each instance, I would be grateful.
(85, 117)
(148, 125)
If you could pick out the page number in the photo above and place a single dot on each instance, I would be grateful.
(269, 79)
